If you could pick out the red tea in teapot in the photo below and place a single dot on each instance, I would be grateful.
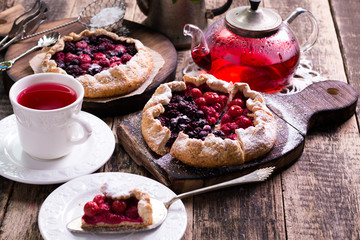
(264, 73)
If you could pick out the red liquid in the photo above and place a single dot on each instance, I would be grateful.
(260, 73)
(47, 96)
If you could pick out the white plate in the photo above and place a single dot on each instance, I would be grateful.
(85, 158)
(66, 203)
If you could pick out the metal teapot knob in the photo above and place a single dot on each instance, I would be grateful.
(254, 4)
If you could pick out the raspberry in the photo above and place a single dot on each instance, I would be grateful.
(91, 209)
(125, 58)
(217, 106)
(99, 199)
(225, 129)
(103, 207)
(84, 58)
(200, 101)
(195, 93)
(69, 57)
(120, 48)
(118, 206)
(223, 100)
(85, 66)
(114, 64)
(233, 136)
(235, 110)
(81, 44)
(132, 212)
(104, 62)
(211, 97)
(59, 56)
(115, 59)
(226, 118)
(238, 102)
(98, 56)
(243, 122)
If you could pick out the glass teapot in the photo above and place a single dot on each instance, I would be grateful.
(253, 45)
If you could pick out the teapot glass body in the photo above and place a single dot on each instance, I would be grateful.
(267, 63)
(264, 56)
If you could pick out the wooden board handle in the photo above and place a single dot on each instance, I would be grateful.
(323, 102)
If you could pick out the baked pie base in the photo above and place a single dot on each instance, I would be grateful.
(114, 81)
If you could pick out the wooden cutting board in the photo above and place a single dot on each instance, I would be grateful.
(102, 106)
(321, 103)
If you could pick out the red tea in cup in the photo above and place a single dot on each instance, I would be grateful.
(47, 96)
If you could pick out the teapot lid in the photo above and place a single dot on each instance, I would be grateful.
(253, 19)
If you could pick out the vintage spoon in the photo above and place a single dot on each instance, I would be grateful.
(45, 41)
(160, 209)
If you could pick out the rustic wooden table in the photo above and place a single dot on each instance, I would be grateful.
(318, 197)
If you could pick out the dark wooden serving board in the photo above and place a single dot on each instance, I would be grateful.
(102, 106)
(321, 103)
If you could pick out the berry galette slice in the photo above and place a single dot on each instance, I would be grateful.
(106, 64)
(112, 209)
(208, 122)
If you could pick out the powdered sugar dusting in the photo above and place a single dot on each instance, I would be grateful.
(107, 16)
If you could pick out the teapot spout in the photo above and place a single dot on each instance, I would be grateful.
(200, 51)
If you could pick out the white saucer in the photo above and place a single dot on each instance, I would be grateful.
(67, 202)
(86, 158)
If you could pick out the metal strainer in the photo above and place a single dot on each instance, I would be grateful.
(88, 13)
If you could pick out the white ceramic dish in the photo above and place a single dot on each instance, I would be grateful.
(86, 158)
(66, 203)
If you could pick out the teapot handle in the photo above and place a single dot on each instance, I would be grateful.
(211, 13)
(144, 6)
(315, 30)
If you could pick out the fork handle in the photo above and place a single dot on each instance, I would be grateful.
(49, 30)
(255, 176)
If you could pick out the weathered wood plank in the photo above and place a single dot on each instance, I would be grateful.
(346, 22)
(324, 183)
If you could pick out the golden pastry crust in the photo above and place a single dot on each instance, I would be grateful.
(251, 143)
(144, 208)
(114, 81)
(259, 139)
(154, 133)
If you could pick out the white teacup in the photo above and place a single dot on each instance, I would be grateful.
(49, 134)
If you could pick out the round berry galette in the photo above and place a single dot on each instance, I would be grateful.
(207, 122)
(131, 208)
(106, 64)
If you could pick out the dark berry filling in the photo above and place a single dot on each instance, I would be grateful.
(92, 55)
(196, 111)
(107, 210)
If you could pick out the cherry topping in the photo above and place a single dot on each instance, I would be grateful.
(84, 58)
(238, 102)
(99, 199)
(118, 206)
(235, 110)
(195, 93)
(91, 209)
(81, 44)
(243, 122)
(104, 207)
(132, 212)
